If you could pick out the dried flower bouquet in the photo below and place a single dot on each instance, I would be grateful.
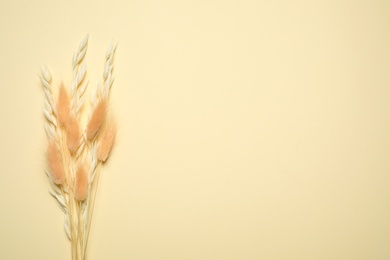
(75, 152)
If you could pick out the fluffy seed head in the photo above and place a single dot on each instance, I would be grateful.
(81, 187)
(106, 143)
(55, 164)
(63, 106)
(97, 119)
(72, 134)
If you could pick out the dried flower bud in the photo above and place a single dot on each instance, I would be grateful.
(81, 187)
(106, 143)
(63, 106)
(97, 119)
(55, 164)
(72, 134)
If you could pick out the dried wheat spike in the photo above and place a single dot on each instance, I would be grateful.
(97, 119)
(106, 143)
(63, 105)
(55, 164)
(72, 134)
(81, 187)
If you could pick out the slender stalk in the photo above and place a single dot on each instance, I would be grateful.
(80, 236)
(92, 206)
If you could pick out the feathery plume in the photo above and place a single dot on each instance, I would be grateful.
(81, 187)
(106, 143)
(55, 163)
(97, 119)
(72, 134)
(63, 105)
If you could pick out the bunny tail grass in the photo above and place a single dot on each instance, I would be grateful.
(72, 134)
(81, 187)
(106, 143)
(55, 164)
(97, 119)
(63, 106)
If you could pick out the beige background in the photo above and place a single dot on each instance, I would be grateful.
(247, 129)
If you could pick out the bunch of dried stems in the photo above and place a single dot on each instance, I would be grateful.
(75, 152)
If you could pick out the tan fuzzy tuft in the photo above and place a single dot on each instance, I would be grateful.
(106, 143)
(55, 164)
(81, 187)
(63, 105)
(97, 119)
(72, 134)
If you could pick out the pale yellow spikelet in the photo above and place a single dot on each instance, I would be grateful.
(63, 105)
(72, 134)
(55, 163)
(97, 119)
(106, 143)
(81, 187)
